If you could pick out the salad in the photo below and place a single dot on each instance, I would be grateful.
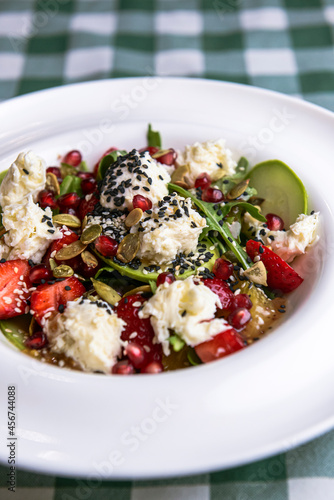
(153, 260)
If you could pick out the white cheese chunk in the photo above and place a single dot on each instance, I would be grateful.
(169, 229)
(89, 332)
(133, 174)
(26, 176)
(287, 244)
(30, 231)
(211, 157)
(184, 307)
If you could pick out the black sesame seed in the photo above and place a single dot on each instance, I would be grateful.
(67, 288)
(2, 261)
(183, 314)
(51, 231)
(261, 249)
(42, 282)
(25, 171)
(61, 308)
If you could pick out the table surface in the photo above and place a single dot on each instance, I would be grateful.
(283, 45)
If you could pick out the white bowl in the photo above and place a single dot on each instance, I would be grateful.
(263, 400)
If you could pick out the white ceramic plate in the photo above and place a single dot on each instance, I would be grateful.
(261, 401)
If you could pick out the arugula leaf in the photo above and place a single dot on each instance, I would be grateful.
(248, 207)
(215, 223)
(242, 166)
(13, 333)
(153, 138)
(83, 167)
(193, 359)
(176, 342)
(71, 184)
(153, 286)
(107, 161)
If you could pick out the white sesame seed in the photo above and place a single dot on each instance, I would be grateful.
(147, 348)
(17, 310)
(133, 335)
(136, 304)
(16, 270)
(7, 300)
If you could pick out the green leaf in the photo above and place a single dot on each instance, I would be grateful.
(247, 207)
(242, 166)
(13, 332)
(213, 223)
(193, 358)
(83, 167)
(3, 175)
(153, 138)
(71, 184)
(67, 169)
(176, 342)
(153, 286)
(107, 161)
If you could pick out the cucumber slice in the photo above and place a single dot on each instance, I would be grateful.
(138, 274)
(283, 191)
(13, 329)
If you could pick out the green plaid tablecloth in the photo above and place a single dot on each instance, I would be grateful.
(284, 45)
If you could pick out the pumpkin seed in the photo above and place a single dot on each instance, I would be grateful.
(255, 200)
(72, 250)
(182, 184)
(52, 264)
(90, 234)
(62, 271)
(179, 175)
(89, 259)
(134, 216)
(67, 220)
(32, 326)
(106, 292)
(160, 153)
(66, 169)
(52, 183)
(257, 273)
(140, 289)
(84, 222)
(128, 248)
(237, 190)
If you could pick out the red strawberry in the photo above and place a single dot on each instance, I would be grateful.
(86, 207)
(49, 298)
(69, 237)
(129, 313)
(220, 288)
(14, 288)
(280, 276)
(221, 345)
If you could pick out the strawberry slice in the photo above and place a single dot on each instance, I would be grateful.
(14, 288)
(69, 237)
(86, 207)
(280, 276)
(128, 309)
(220, 288)
(51, 298)
(221, 345)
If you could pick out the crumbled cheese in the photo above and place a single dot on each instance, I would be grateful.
(25, 177)
(235, 228)
(133, 174)
(30, 231)
(171, 228)
(89, 332)
(211, 157)
(287, 244)
(166, 311)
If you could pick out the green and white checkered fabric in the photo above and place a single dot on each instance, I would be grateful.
(284, 45)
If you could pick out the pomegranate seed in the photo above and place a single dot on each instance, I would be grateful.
(212, 195)
(47, 199)
(165, 277)
(239, 318)
(106, 246)
(88, 186)
(37, 341)
(153, 367)
(123, 368)
(222, 269)
(136, 354)
(86, 271)
(168, 158)
(203, 181)
(85, 175)
(69, 200)
(39, 273)
(73, 158)
(274, 222)
(56, 172)
(151, 149)
(242, 301)
(70, 211)
(140, 201)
